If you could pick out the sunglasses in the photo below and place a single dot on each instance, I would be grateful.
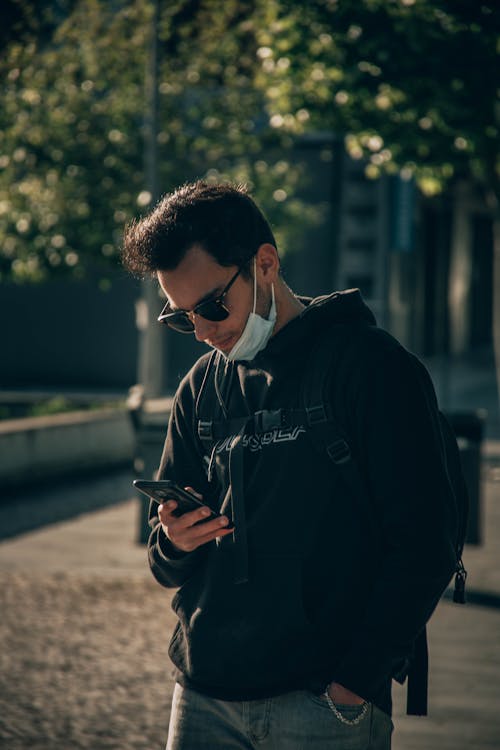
(211, 309)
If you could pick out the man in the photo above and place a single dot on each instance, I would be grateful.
(298, 606)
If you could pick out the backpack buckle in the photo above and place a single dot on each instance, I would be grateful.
(339, 452)
(205, 430)
(316, 414)
(265, 421)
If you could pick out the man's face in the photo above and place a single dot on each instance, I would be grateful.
(199, 276)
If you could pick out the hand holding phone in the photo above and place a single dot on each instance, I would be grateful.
(186, 521)
(163, 490)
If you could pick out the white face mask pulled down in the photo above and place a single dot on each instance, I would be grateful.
(257, 331)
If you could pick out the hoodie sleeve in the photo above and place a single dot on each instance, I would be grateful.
(182, 462)
(398, 443)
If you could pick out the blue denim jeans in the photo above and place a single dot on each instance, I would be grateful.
(294, 721)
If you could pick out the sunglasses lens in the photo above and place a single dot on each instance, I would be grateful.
(212, 311)
(179, 321)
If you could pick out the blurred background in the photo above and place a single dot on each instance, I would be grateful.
(368, 132)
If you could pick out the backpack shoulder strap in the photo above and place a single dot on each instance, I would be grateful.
(211, 411)
(331, 440)
(328, 436)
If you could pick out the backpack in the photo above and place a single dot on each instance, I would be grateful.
(330, 438)
(331, 441)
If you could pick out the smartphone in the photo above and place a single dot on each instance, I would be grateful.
(164, 489)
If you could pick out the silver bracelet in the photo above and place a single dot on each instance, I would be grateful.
(340, 717)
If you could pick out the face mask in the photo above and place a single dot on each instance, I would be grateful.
(257, 331)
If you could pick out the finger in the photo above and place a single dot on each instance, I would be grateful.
(193, 536)
(193, 492)
(192, 516)
(186, 520)
(200, 530)
(192, 544)
(213, 535)
(166, 510)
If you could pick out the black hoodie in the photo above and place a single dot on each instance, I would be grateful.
(322, 600)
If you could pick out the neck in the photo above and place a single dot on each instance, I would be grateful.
(288, 306)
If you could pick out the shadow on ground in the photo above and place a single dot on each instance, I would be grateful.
(36, 506)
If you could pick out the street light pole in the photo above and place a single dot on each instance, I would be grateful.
(152, 340)
(150, 412)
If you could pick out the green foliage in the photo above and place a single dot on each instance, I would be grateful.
(56, 405)
(72, 125)
(70, 144)
(410, 84)
(62, 405)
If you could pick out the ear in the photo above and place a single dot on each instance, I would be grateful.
(267, 262)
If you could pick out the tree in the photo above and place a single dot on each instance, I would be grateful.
(72, 124)
(412, 85)
(71, 161)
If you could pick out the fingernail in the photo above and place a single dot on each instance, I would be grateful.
(223, 521)
(205, 512)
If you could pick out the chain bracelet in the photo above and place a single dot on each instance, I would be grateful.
(340, 717)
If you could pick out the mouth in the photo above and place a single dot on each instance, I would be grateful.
(225, 345)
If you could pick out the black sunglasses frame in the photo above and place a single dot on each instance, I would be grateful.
(180, 321)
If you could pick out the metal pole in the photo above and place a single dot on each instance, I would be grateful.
(152, 339)
(151, 365)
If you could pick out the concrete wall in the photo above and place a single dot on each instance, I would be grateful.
(42, 448)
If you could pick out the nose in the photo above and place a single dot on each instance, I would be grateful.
(203, 328)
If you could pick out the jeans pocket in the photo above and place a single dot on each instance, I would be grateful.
(350, 712)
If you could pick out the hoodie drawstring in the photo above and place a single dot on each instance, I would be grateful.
(236, 487)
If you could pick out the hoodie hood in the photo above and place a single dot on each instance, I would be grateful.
(339, 308)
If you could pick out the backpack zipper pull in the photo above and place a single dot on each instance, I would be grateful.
(460, 578)
(211, 463)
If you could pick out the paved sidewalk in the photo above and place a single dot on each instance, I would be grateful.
(464, 641)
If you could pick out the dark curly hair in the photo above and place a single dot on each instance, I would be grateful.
(222, 218)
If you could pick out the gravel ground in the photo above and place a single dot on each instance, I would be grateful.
(83, 665)
(83, 662)
(84, 630)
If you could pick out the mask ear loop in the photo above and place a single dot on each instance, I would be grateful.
(254, 283)
(255, 286)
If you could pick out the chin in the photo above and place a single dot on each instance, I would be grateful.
(224, 344)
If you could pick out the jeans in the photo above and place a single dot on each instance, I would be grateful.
(294, 721)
